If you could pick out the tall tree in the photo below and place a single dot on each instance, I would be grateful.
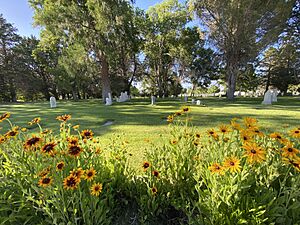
(163, 24)
(95, 24)
(241, 29)
(8, 39)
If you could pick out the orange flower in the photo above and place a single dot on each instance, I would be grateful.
(233, 164)
(45, 181)
(216, 168)
(87, 134)
(146, 165)
(4, 116)
(32, 142)
(64, 118)
(71, 182)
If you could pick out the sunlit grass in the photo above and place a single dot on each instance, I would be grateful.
(140, 123)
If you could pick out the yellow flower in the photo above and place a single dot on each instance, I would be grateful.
(64, 118)
(289, 151)
(170, 118)
(235, 125)
(32, 142)
(276, 135)
(224, 128)
(155, 173)
(76, 127)
(74, 150)
(77, 173)
(90, 174)
(295, 162)
(246, 135)
(44, 172)
(256, 131)
(71, 182)
(4, 116)
(49, 148)
(250, 122)
(185, 109)
(11, 133)
(87, 134)
(216, 168)
(96, 189)
(295, 133)
(45, 181)
(146, 165)
(254, 153)
(212, 133)
(72, 140)
(154, 190)
(2, 139)
(174, 142)
(60, 165)
(232, 164)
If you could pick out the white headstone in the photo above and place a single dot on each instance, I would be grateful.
(185, 98)
(52, 102)
(153, 100)
(193, 101)
(198, 102)
(267, 98)
(108, 101)
(274, 95)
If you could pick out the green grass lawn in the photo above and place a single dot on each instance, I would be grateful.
(137, 120)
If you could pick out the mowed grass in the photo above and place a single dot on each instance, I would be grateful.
(140, 123)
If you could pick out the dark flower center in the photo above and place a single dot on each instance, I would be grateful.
(253, 151)
(278, 136)
(231, 163)
(60, 166)
(74, 150)
(290, 150)
(146, 165)
(97, 188)
(46, 180)
(33, 141)
(90, 174)
(71, 182)
(297, 132)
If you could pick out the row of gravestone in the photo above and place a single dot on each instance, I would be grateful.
(123, 98)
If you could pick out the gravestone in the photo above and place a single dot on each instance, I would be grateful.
(185, 98)
(52, 102)
(153, 100)
(193, 101)
(123, 97)
(108, 101)
(198, 102)
(274, 95)
(267, 98)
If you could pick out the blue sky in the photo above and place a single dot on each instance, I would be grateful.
(19, 13)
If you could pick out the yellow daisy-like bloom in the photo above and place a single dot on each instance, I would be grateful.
(49, 148)
(178, 113)
(44, 172)
(90, 174)
(71, 182)
(74, 150)
(87, 134)
(154, 190)
(185, 109)
(232, 164)
(216, 168)
(11, 133)
(170, 118)
(96, 189)
(212, 133)
(32, 142)
(276, 135)
(254, 153)
(295, 162)
(60, 165)
(246, 135)
(4, 116)
(35, 121)
(155, 173)
(76, 127)
(174, 142)
(235, 125)
(77, 173)
(146, 165)
(72, 140)
(64, 118)
(295, 133)
(2, 139)
(250, 122)
(289, 151)
(45, 181)
(256, 131)
(224, 129)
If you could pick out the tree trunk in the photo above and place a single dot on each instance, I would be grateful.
(231, 80)
(105, 81)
